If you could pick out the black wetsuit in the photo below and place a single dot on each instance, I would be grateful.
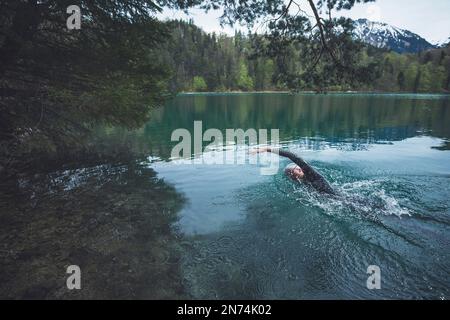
(314, 178)
(317, 181)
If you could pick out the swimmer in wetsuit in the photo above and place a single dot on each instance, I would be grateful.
(302, 171)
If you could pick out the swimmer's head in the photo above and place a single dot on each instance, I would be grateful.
(294, 172)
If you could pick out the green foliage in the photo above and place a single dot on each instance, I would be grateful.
(199, 84)
(244, 82)
(247, 63)
(57, 84)
(215, 58)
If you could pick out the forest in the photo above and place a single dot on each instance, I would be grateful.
(216, 62)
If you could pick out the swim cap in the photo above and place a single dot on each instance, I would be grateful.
(290, 167)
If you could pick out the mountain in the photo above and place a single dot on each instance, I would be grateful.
(442, 43)
(383, 35)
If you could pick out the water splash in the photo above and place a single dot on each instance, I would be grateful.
(360, 198)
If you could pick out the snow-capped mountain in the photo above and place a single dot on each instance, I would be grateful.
(442, 43)
(383, 35)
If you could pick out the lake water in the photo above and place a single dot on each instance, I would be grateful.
(158, 227)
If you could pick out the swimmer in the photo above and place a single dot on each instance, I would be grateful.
(301, 171)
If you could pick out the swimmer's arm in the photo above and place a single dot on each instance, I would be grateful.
(311, 175)
(291, 156)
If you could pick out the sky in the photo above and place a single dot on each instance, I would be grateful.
(429, 19)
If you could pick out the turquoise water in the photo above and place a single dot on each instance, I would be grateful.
(155, 227)
(254, 236)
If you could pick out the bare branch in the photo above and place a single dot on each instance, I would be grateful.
(322, 32)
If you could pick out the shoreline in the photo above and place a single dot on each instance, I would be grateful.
(312, 92)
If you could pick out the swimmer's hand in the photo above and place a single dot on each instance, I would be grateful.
(261, 150)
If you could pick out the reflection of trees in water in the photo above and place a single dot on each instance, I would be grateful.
(112, 221)
(445, 146)
(354, 119)
(322, 144)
